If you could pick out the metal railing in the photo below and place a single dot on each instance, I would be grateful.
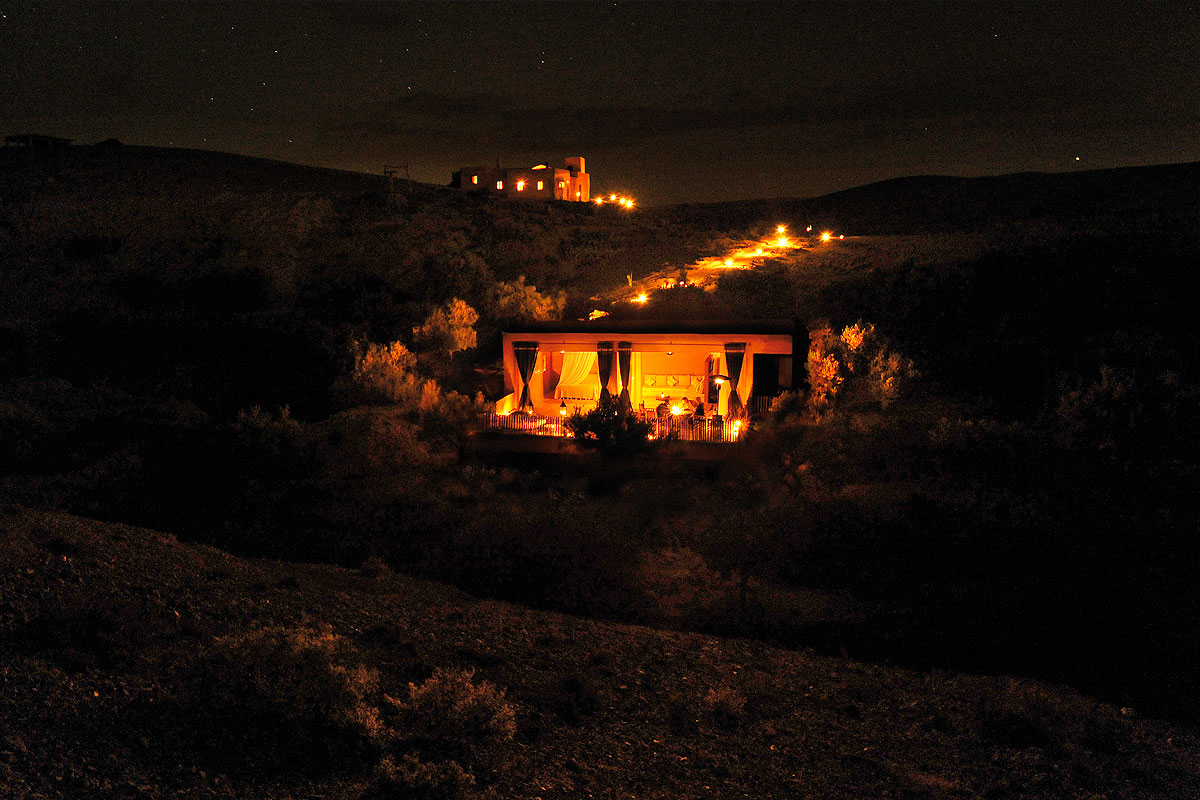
(680, 428)
(689, 429)
(530, 424)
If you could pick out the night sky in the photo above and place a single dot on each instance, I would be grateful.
(669, 102)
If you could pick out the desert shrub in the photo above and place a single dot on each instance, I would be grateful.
(448, 329)
(888, 376)
(859, 363)
(1019, 714)
(824, 372)
(726, 706)
(451, 716)
(679, 583)
(276, 437)
(451, 707)
(788, 404)
(295, 697)
(610, 429)
(447, 418)
(576, 695)
(414, 779)
(382, 373)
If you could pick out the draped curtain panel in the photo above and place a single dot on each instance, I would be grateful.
(624, 358)
(604, 358)
(575, 369)
(525, 354)
(735, 354)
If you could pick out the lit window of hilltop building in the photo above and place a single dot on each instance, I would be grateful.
(569, 182)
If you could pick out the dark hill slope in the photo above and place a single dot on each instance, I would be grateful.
(234, 281)
(1129, 199)
(101, 626)
(94, 211)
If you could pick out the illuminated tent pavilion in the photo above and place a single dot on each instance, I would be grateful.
(723, 363)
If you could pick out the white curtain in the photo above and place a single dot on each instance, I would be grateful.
(575, 370)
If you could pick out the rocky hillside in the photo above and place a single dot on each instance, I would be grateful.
(116, 640)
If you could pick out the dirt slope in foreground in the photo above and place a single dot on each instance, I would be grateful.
(94, 615)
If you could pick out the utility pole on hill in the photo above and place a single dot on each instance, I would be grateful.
(389, 171)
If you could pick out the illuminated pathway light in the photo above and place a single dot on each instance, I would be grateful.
(615, 199)
(775, 243)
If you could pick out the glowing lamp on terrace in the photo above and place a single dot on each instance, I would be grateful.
(676, 411)
(562, 408)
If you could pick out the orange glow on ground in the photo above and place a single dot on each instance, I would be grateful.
(747, 254)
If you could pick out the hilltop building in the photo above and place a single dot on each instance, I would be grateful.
(540, 182)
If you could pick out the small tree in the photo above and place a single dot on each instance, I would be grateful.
(516, 300)
(448, 329)
(824, 372)
(857, 362)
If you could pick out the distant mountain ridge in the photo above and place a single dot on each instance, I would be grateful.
(1165, 194)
